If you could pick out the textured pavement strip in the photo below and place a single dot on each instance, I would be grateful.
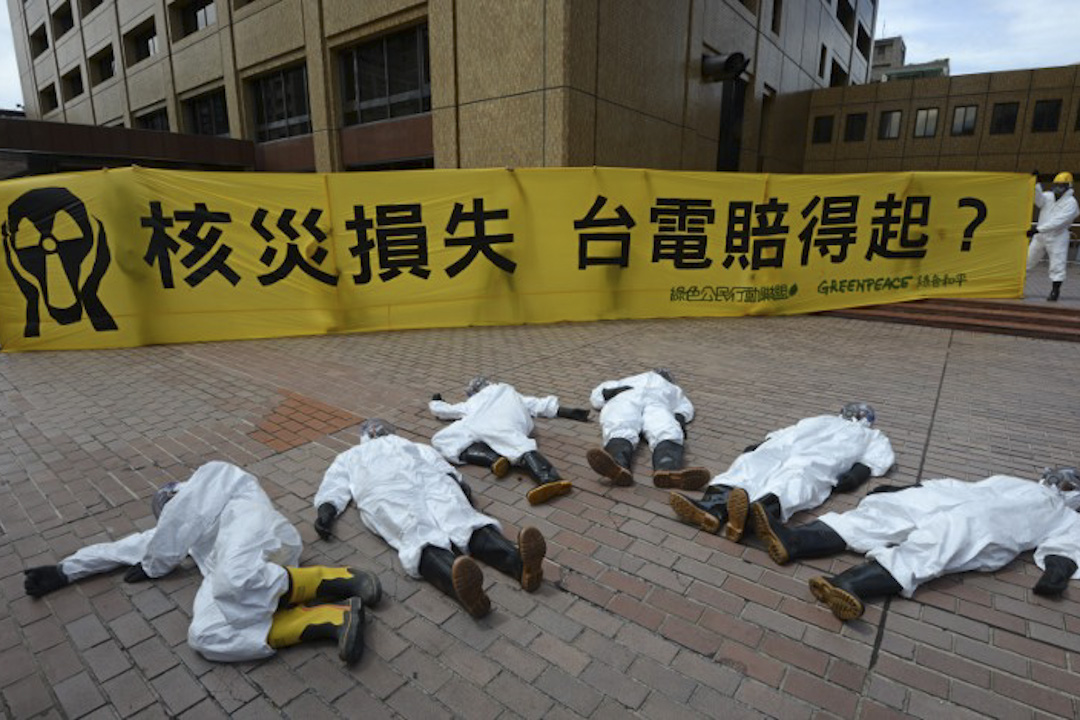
(640, 615)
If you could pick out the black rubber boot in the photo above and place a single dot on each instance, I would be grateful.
(853, 478)
(844, 593)
(1055, 291)
(668, 471)
(523, 562)
(458, 577)
(613, 461)
(326, 584)
(549, 484)
(708, 513)
(784, 544)
(482, 454)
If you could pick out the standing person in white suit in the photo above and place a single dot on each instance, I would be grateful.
(1050, 236)
(492, 430)
(915, 534)
(249, 603)
(408, 495)
(795, 468)
(648, 404)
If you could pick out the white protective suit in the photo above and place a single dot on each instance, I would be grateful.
(406, 493)
(497, 415)
(1055, 217)
(224, 520)
(950, 526)
(648, 407)
(799, 464)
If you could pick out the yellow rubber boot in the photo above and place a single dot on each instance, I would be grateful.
(343, 623)
(319, 582)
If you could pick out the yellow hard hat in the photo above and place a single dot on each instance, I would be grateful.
(1063, 177)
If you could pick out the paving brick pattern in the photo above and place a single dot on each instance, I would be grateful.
(639, 616)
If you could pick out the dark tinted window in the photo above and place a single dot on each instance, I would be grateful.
(1003, 118)
(1046, 116)
(281, 104)
(855, 127)
(823, 128)
(386, 78)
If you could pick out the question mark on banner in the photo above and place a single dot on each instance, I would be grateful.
(980, 215)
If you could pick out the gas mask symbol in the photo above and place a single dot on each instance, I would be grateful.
(47, 253)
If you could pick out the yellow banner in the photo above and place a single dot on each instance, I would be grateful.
(120, 258)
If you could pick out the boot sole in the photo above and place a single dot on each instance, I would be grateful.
(500, 468)
(351, 640)
(603, 464)
(547, 491)
(690, 513)
(533, 548)
(843, 604)
(468, 582)
(763, 530)
(738, 506)
(686, 479)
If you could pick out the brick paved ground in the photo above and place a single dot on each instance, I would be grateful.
(640, 615)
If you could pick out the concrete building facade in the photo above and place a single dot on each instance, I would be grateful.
(1012, 121)
(333, 85)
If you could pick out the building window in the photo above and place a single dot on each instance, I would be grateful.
(926, 122)
(1003, 118)
(207, 114)
(777, 15)
(102, 66)
(879, 52)
(863, 42)
(386, 78)
(281, 104)
(963, 120)
(62, 20)
(821, 61)
(846, 15)
(153, 120)
(838, 77)
(39, 41)
(192, 16)
(1047, 114)
(823, 129)
(889, 128)
(855, 127)
(72, 84)
(750, 5)
(88, 6)
(47, 99)
(142, 42)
